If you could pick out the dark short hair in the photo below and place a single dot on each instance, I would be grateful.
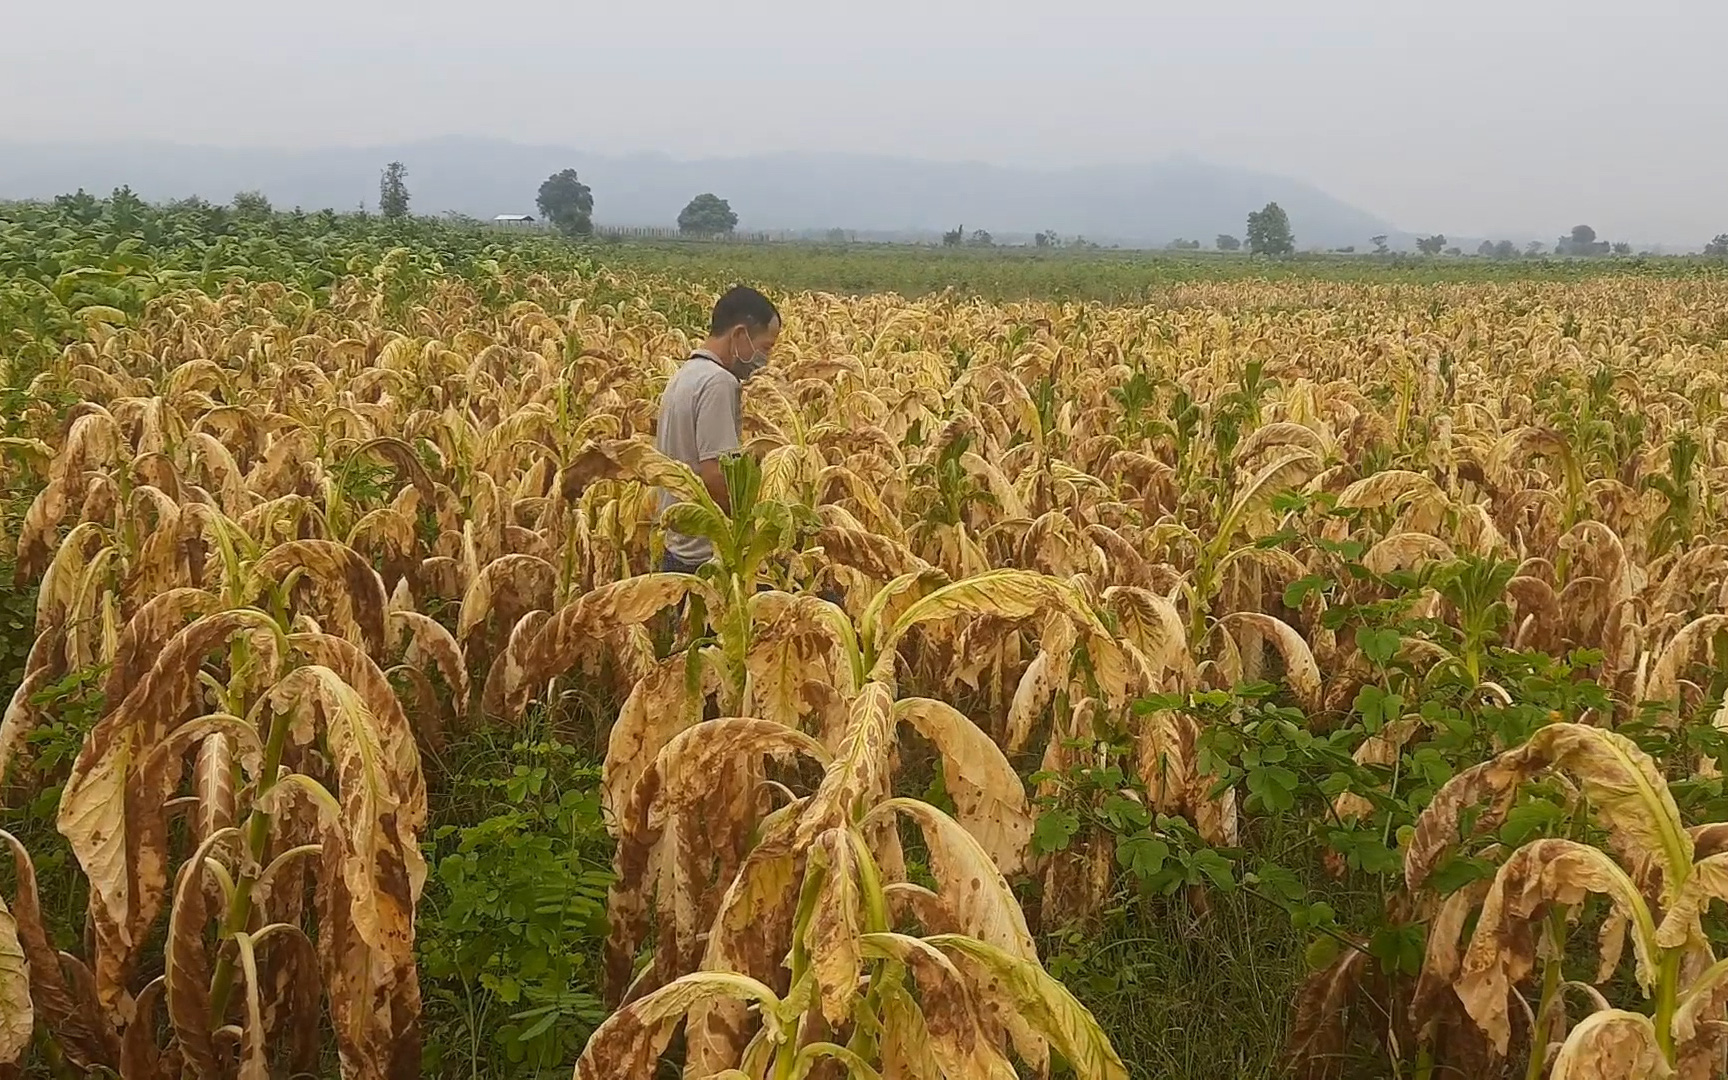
(742, 306)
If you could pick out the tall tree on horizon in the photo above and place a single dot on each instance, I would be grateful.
(393, 191)
(567, 203)
(1269, 231)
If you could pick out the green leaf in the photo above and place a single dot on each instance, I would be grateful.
(1321, 952)
(1142, 856)
(1379, 646)
(1297, 592)
(1280, 882)
(1054, 830)
(1212, 865)
(1125, 815)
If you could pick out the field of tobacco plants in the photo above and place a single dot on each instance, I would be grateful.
(1268, 676)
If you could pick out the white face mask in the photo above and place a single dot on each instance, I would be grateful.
(747, 368)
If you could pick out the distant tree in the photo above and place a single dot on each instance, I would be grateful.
(1226, 242)
(1269, 231)
(1180, 244)
(1431, 245)
(1347, 249)
(1622, 248)
(1379, 243)
(981, 238)
(1044, 239)
(707, 215)
(1485, 249)
(251, 205)
(567, 203)
(1534, 248)
(954, 237)
(393, 191)
(1454, 251)
(838, 236)
(1582, 241)
(1718, 248)
(1505, 249)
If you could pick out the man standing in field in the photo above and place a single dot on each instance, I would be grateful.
(701, 409)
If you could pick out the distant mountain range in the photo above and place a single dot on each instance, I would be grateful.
(1141, 205)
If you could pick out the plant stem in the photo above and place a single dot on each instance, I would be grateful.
(257, 836)
(1551, 972)
(1424, 1062)
(1667, 995)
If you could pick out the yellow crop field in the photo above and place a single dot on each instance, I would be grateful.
(1028, 620)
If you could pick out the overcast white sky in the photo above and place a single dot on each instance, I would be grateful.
(1519, 117)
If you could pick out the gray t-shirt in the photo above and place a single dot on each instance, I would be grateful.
(701, 417)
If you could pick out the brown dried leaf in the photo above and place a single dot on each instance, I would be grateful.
(120, 839)
(17, 1016)
(1502, 952)
(832, 935)
(187, 961)
(1319, 1029)
(1018, 986)
(1611, 1045)
(957, 1042)
(429, 641)
(989, 798)
(1300, 670)
(967, 879)
(1626, 792)
(577, 627)
(664, 703)
(1047, 673)
(668, 851)
(70, 1011)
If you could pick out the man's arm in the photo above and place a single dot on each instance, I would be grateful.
(709, 471)
(717, 430)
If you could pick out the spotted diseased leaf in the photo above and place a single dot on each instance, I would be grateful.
(1019, 986)
(632, 1039)
(113, 819)
(967, 880)
(577, 628)
(17, 1016)
(1611, 1045)
(1502, 951)
(989, 797)
(832, 936)
(1626, 793)
(858, 777)
(352, 594)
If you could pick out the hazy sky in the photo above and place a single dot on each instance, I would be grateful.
(1516, 117)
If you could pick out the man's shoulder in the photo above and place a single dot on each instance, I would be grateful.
(698, 372)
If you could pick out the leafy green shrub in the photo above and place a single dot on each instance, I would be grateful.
(514, 915)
